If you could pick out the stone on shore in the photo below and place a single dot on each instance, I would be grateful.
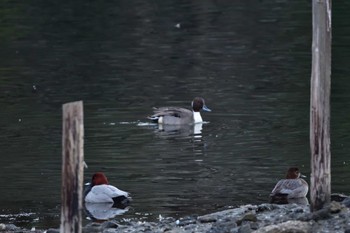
(264, 218)
(287, 227)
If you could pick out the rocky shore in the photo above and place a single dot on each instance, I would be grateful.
(263, 218)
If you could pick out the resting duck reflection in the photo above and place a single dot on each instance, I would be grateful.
(102, 211)
(180, 116)
(290, 188)
(169, 131)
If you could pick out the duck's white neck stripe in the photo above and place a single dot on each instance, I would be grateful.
(197, 117)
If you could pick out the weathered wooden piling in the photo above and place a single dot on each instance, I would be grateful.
(72, 167)
(320, 188)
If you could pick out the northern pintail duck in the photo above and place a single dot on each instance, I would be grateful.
(99, 191)
(180, 116)
(291, 187)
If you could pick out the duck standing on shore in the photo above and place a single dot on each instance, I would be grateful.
(291, 187)
(180, 116)
(99, 191)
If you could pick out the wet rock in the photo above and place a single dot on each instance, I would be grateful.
(11, 227)
(186, 221)
(230, 213)
(335, 207)
(245, 228)
(286, 227)
(197, 228)
(321, 214)
(251, 217)
(254, 226)
(339, 197)
(207, 219)
(346, 202)
(282, 213)
(51, 230)
(109, 224)
(176, 230)
(266, 207)
(222, 227)
(93, 227)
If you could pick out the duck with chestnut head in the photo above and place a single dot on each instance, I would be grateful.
(292, 186)
(100, 191)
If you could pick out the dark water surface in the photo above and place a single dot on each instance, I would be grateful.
(250, 60)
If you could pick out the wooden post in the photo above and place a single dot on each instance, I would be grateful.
(320, 189)
(72, 167)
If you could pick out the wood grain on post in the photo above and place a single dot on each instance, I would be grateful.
(72, 167)
(320, 188)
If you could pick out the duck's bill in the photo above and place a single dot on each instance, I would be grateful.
(205, 108)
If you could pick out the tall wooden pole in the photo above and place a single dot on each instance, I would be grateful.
(320, 189)
(72, 167)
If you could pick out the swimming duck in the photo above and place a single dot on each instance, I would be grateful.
(99, 191)
(291, 187)
(180, 116)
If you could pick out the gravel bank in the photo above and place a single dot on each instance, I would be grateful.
(264, 218)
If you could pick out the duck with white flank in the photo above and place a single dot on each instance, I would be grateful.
(291, 187)
(99, 191)
(180, 116)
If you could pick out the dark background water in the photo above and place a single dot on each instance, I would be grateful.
(250, 60)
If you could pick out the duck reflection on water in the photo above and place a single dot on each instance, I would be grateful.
(103, 211)
(180, 130)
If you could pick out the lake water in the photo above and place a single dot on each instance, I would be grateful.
(250, 60)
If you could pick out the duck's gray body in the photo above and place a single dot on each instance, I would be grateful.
(179, 116)
(291, 187)
(173, 116)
